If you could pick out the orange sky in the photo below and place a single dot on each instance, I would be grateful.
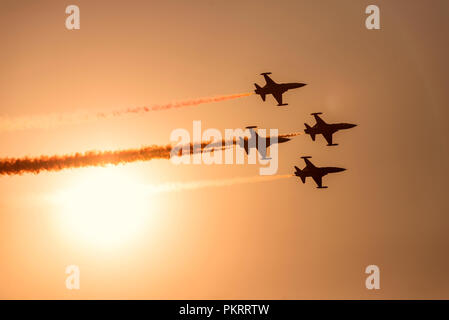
(268, 240)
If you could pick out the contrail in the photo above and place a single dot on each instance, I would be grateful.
(57, 120)
(79, 160)
(292, 134)
(178, 104)
(180, 186)
(18, 166)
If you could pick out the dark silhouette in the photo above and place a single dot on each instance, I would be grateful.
(276, 89)
(244, 142)
(317, 173)
(326, 129)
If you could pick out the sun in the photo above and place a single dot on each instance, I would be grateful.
(106, 207)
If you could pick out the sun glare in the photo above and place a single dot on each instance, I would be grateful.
(105, 207)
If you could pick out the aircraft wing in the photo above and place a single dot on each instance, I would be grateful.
(268, 79)
(318, 119)
(328, 137)
(318, 180)
(263, 153)
(308, 163)
(278, 97)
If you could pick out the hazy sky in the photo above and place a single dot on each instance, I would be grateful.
(269, 240)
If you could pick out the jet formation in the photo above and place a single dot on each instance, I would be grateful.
(327, 130)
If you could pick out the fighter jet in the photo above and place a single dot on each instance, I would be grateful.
(327, 130)
(317, 173)
(276, 89)
(244, 142)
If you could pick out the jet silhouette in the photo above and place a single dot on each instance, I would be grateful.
(317, 173)
(276, 89)
(326, 129)
(244, 142)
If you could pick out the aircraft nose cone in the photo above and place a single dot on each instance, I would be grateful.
(297, 85)
(352, 125)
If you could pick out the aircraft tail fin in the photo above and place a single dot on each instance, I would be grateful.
(308, 131)
(243, 144)
(298, 173)
(258, 88)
